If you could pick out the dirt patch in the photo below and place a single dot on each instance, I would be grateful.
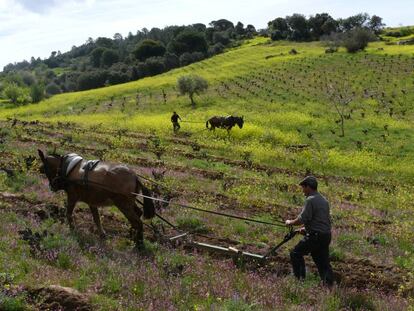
(354, 273)
(25, 206)
(56, 297)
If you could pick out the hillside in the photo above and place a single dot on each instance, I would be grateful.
(269, 87)
(110, 61)
(291, 128)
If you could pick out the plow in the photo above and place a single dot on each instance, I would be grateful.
(239, 256)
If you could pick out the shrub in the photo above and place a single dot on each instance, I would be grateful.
(188, 41)
(171, 61)
(395, 34)
(53, 89)
(149, 48)
(109, 57)
(64, 261)
(96, 56)
(402, 32)
(236, 305)
(186, 59)
(91, 80)
(277, 35)
(357, 40)
(357, 301)
(139, 71)
(406, 31)
(115, 77)
(221, 37)
(192, 224)
(70, 86)
(154, 66)
(12, 303)
(216, 49)
(189, 58)
(337, 254)
(197, 56)
(2, 86)
(333, 40)
(331, 50)
(112, 285)
(37, 92)
(28, 78)
(13, 92)
(82, 282)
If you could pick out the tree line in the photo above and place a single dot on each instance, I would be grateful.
(109, 61)
(298, 27)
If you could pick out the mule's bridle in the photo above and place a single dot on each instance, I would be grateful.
(58, 182)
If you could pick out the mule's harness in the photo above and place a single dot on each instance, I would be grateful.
(67, 164)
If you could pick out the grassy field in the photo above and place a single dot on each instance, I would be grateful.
(292, 128)
(407, 34)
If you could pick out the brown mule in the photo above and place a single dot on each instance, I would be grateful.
(224, 122)
(107, 184)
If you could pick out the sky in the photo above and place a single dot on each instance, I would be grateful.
(38, 27)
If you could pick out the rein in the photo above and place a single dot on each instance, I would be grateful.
(201, 122)
(80, 182)
(278, 223)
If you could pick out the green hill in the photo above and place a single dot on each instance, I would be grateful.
(284, 99)
(292, 128)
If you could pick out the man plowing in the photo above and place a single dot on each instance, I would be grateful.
(315, 217)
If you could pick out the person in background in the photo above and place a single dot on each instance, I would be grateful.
(174, 120)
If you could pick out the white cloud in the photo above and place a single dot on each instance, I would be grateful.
(39, 6)
(43, 6)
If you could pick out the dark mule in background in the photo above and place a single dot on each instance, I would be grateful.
(224, 122)
(98, 184)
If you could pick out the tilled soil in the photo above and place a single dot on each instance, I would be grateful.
(358, 273)
(56, 132)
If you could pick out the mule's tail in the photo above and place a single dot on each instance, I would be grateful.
(207, 124)
(149, 208)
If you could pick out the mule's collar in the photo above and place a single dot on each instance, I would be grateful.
(69, 163)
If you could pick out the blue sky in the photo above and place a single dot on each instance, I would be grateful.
(37, 27)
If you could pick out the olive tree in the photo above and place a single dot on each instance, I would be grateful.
(190, 85)
(358, 39)
(13, 92)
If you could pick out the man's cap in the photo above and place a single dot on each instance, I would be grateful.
(309, 181)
